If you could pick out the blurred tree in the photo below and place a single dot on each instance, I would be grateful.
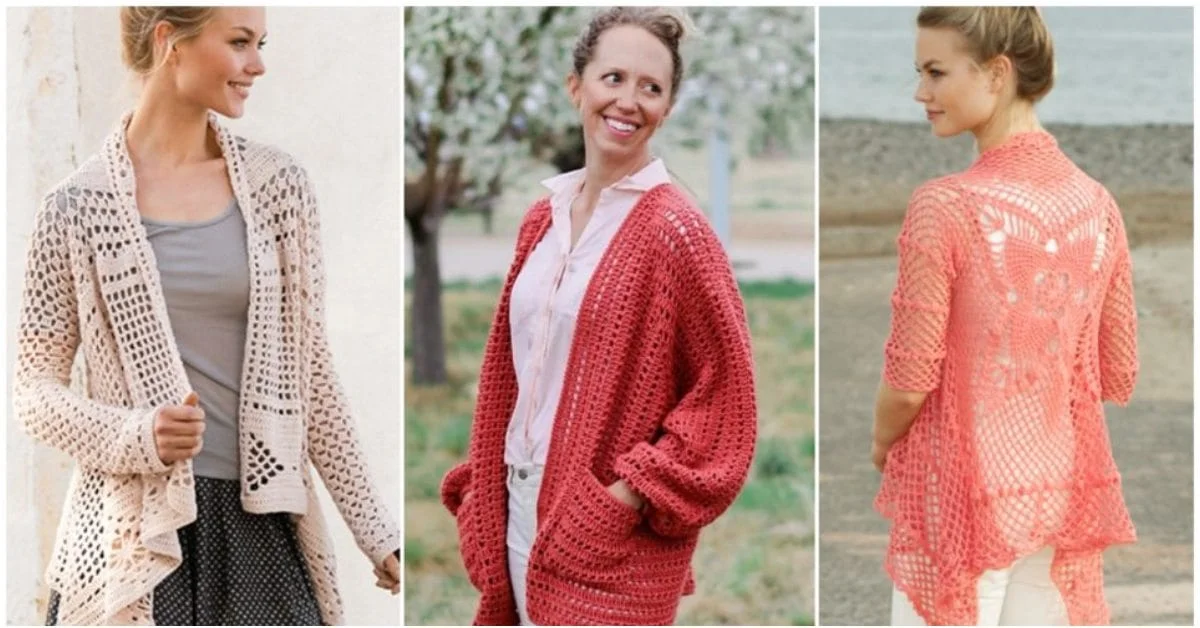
(484, 93)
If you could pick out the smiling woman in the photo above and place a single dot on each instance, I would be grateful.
(616, 414)
(184, 264)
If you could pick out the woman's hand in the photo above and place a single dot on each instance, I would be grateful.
(179, 430)
(895, 411)
(620, 489)
(879, 453)
(387, 575)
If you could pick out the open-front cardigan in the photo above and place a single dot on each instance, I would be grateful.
(92, 286)
(658, 391)
(1014, 310)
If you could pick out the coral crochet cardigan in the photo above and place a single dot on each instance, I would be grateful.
(658, 390)
(91, 285)
(1014, 309)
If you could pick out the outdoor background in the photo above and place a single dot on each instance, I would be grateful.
(1122, 109)
(755, 564)
(330, 97)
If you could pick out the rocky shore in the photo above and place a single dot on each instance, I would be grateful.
(869, 168)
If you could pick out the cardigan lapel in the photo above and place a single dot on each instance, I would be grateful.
(132, 291)
(136, 269)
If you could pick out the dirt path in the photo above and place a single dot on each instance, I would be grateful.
(1147, 583)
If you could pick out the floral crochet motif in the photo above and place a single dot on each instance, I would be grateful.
(1014, 310)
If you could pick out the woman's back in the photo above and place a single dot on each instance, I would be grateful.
(1014, 307)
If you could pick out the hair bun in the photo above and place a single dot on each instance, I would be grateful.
(670, 25)
(1019, 33)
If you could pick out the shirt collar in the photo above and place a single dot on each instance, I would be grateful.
(654, 173)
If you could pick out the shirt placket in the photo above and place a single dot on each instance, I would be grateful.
(542, 344)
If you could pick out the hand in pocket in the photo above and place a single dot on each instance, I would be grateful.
(621, 491)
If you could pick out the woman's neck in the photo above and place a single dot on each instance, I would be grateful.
(168, 133)
(1019, 117)
(599, 174)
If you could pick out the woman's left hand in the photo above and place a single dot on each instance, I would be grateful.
(620, 489)
(387, 575)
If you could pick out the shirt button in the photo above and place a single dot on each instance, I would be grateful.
(522, 473)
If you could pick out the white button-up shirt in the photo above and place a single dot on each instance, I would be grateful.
(546, 299)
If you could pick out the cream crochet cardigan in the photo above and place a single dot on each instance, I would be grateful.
(92, 285)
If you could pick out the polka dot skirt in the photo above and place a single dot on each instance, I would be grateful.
(238, 568)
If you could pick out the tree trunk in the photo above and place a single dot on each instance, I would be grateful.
(489, 227)
(425, 330)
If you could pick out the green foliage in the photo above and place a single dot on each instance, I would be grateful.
(415, 552)
(776, 289)
(778, 458)
(454, 435)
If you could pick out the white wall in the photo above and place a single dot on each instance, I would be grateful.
(331, 97)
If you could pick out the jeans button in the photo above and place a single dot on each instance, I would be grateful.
(522, 473)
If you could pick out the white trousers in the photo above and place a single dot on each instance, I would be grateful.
(524, 482)
(1021, 595)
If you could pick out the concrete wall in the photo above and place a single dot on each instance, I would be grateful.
(331, 97)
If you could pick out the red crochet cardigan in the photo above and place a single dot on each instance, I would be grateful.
(658, 390)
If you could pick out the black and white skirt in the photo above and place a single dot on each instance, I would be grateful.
(238, 568)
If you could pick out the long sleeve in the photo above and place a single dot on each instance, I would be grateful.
(916, 344)
(1118, 321)
(694, 470)
(334, 444)
(98, 436)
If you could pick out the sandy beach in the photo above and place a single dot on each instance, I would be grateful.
(868, 170)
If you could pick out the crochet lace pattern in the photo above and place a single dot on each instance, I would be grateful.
(1014, 309)
(92, 286)
(659, 390)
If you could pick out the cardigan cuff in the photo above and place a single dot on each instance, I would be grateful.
(140, 428)
(389, 546)
(637, 467)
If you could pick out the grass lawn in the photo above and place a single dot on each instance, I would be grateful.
(753, 566)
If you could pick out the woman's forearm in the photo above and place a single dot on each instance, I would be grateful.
(895, 411)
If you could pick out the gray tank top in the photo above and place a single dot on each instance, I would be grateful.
(206, 283)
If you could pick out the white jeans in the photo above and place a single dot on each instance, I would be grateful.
(1021, 595)
(524, 482)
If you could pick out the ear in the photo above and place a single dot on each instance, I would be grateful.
(162, 35)
(1000, 70)
(573, 85)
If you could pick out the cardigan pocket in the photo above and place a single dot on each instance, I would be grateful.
(592, 540)
(467, 541)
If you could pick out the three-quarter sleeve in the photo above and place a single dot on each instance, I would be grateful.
(916, 344)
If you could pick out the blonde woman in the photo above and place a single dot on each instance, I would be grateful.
(184, 264)
(1013, 319)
